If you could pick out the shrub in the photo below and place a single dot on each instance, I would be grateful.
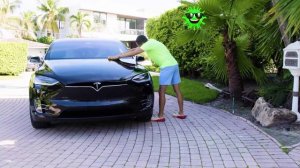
(13, 58)
(166, 28)
(45, 39)
(277, 90)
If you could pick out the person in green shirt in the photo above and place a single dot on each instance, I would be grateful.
(169, 71)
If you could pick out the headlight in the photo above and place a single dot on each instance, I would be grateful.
(45, 81)
(141, 78)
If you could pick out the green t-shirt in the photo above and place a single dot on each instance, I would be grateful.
(158, 53)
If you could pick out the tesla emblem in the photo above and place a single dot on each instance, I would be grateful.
(97, 86)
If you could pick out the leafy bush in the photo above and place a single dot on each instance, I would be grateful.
(13, 58)
(45, 39)
(165, 29)
(277, 91)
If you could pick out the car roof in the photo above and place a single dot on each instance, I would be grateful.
(85, 40)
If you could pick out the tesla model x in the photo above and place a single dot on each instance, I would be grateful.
(76, 81)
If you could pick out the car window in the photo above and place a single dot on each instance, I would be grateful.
(84, 49)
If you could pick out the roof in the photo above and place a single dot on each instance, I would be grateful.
(31, 44)
(293, 46)
(63, 40)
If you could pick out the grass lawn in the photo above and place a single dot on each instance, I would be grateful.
(192, 90)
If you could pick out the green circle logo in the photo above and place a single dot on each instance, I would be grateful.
(194, 18)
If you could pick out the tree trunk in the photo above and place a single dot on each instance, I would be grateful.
(234, 77)
(79, 31)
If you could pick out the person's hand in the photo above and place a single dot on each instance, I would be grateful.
(113, 57)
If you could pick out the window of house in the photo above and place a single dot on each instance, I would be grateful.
(132, 23)
(100, 17)
(126, 24)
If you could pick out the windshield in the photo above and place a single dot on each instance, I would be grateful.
(84, 49)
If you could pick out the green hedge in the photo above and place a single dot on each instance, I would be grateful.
(13, 58)
(166, 28)
(45, 39)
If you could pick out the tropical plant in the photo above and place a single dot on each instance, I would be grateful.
(7, 7)
(279, 26)
(27, 25)
(81, 21)
(277, 90)
(51, 14)
(233, 20)
(269, 46)
(288, 12)
(188, 56)
(45, 39)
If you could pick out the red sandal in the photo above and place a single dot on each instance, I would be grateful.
(157, 119)
(180, 116)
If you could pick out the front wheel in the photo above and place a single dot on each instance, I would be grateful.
(38, 124)
(145, 117)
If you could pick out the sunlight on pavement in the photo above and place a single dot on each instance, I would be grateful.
(7, 142)
(16, 87)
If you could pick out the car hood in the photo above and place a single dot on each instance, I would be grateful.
(89, 70)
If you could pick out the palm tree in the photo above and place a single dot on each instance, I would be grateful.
(7, 7)
(28, 25)
(287, 11)
(280, 25)
(232, 19)
(51, 14)
(81, 21)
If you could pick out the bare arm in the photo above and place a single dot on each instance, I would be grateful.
(129, 53)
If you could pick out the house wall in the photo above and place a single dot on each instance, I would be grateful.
(112, 25)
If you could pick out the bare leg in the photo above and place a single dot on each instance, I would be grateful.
(162, 100)
(179, 98)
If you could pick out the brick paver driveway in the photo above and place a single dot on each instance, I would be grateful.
(207, 138)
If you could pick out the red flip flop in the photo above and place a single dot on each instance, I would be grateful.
(180, 116)
(157, 119)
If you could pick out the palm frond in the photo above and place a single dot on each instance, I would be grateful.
(288, 12)
(186, 36)
(211, 7)
(217, 61)
(269, 42)
(246, 67)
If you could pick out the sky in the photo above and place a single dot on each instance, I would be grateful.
(149, 8)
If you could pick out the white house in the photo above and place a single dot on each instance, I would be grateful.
(119, 22)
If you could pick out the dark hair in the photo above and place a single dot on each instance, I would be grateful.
(141, 39)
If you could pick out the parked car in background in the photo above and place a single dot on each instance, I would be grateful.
(77, 82)
(33, 63)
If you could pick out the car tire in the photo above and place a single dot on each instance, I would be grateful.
(38, 124)
(146, 117)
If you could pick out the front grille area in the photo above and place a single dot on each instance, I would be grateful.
(96, 112)
(106, 91)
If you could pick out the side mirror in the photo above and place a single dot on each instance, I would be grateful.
(139, 58)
